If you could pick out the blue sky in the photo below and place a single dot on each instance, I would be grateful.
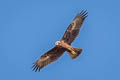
(29, 28)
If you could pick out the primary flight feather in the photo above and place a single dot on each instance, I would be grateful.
(64, 44)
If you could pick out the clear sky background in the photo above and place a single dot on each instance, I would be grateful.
(29, 28)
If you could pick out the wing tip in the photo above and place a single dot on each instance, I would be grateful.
(36, 68)
(83, 14)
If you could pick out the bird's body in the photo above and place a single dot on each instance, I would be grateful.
(64, 44)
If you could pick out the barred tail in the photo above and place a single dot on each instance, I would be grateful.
(75, 53)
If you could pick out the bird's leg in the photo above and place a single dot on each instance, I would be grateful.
(73, 52)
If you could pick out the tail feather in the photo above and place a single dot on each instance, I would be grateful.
(77, 51)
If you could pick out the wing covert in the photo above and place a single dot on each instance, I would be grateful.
(47, 58)
(74, 28)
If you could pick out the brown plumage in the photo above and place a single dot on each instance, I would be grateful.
(64, 44)
(74, 28)
(48, 57)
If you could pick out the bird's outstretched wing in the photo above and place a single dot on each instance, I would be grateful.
(74, 28)
(50, 56)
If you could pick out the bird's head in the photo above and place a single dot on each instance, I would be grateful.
(57, 43)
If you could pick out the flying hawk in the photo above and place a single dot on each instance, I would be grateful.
(64, 44)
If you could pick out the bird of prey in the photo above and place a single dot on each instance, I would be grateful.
(64, 44)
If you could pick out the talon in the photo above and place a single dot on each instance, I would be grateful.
(73, 52)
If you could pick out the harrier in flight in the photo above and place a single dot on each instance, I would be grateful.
(64, 44)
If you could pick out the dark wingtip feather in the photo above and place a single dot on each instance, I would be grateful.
(83, 14)
(39, 70)
(36, 67)
(86, 16)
